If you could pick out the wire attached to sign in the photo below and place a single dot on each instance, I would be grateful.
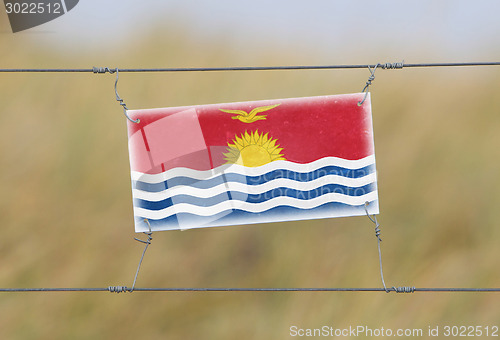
(377, 235)
(118, 98)
(371, 78)
(386, 66)
(147, 243)
(123, 289)
(368, 83)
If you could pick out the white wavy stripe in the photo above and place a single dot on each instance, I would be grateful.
(252, 171)
(254, 207)
(253, 189)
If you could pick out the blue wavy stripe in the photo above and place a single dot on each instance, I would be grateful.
(255, 180)
(256, 198)
(281, 213)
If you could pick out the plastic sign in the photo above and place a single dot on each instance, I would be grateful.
(252, 162)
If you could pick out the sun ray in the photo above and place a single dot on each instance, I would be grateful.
(277, 151)
(265, 138)
(239, 142)
(272, 144)
(252, 138)
(247, 138)
(259, 139)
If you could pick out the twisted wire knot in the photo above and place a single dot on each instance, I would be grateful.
(378, 232)
(369, 81)
(118, 99)
(103, 70)
(374, 221)
(403, 289)
(392, 66)
(118, 289)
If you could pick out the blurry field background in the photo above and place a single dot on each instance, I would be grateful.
(66, 209)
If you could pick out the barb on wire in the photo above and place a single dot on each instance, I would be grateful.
(392, 66)
(103, 70)
(118, 289)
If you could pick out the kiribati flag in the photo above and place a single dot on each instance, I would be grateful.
(252, 162)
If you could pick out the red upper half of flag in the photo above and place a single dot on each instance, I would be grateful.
(197, 137)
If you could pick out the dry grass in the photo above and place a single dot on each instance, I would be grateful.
(66, 214)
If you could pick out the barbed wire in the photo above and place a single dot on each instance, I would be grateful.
(121, 289)
(398, 65)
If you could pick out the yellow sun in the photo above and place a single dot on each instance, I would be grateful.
(253, 149)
